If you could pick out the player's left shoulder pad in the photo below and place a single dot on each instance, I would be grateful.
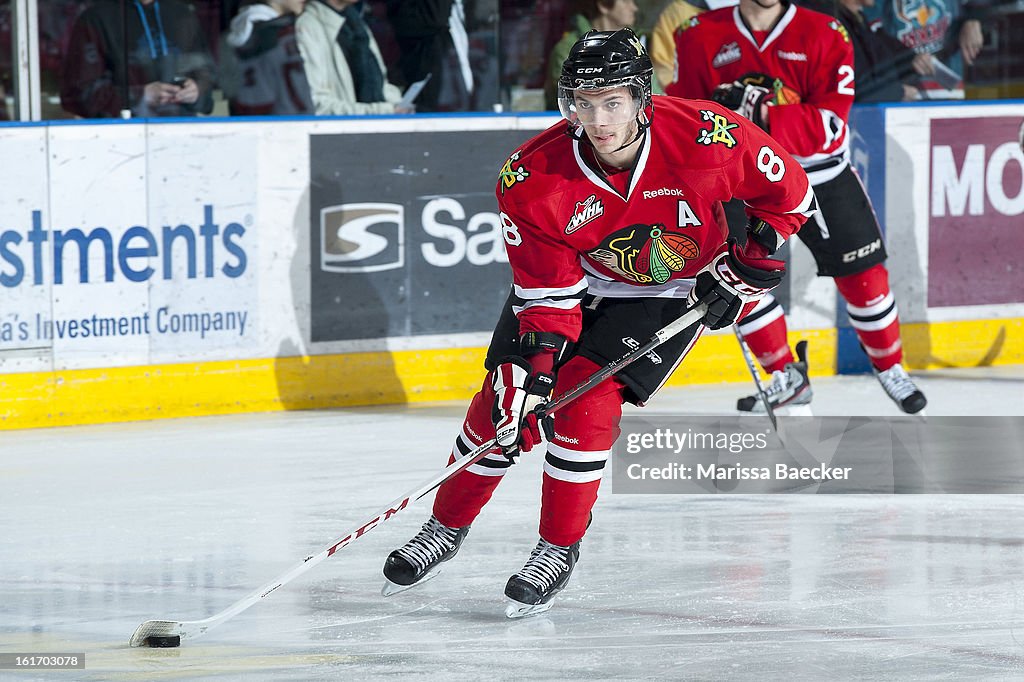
(706, 133)
(812, 21)
(535, 165)
(837, 26)
(513, 172)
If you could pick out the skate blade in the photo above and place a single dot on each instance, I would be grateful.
(391, 588)
(516, 609)
(789, 409)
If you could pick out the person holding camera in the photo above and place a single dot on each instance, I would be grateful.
(154, 63)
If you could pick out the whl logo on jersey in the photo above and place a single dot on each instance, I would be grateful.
(586, 211)
(729, 53)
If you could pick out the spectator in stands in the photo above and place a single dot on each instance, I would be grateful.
(344, 67)
(946, 29)
(432, 39)
(663, 36)
(886, 69)
(598, 15)
(165, 69)
(261, 70)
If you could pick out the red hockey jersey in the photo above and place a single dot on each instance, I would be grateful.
(808, 59)
(568, 229)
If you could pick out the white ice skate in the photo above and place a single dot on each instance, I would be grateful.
(789, 387)
(901, 388)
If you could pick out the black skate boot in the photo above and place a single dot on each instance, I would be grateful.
(543, 576)
(788, 387)
(901, 388)
(419, 559)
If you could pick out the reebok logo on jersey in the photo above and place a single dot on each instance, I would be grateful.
(566, 439)
(663, 192)
(586, 211)
(792, 56)
(729, 53)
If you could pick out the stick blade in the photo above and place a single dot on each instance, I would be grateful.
(157, 628)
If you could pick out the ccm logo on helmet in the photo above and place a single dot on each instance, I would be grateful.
(591, 69)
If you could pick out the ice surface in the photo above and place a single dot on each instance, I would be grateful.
(104, 527)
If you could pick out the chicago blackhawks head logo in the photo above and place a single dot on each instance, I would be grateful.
(646, 254)
(510, 175)
(780, 92)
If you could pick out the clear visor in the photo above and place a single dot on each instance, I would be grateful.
(599, 106)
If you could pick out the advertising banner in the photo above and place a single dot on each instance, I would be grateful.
(391, 256)
(867, 156)
(144, 256)
(24, 284)
(867, 153)
(976, 212)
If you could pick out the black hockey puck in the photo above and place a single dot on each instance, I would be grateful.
(159, 642)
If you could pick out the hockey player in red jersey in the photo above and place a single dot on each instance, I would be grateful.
(613, 227)
(790, 71)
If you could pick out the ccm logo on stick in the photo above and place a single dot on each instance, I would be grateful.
(368, 527)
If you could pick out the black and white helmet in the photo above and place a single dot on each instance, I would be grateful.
(607, 59)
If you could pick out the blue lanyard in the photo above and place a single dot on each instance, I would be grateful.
(159, 28)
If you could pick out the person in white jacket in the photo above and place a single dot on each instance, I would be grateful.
(261, 70)
(343, 63)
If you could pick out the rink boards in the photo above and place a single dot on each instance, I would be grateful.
(206, 267)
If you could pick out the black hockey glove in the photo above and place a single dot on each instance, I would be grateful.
(745, 100)
(732, 280)
(522, 386)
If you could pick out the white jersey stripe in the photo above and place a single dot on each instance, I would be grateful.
(872, 309)
(883, 352)
(567, 304)
(763, 321)
(486, 471)
(578, 455)
(874, 325)
(549, 292)
(572, 476)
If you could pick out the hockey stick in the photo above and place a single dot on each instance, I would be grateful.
(757, 379)
(171, 632)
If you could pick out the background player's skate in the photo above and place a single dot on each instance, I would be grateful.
(789, 387)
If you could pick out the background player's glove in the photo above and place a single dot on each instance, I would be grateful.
(519, 389)
(733, 279)
(746, 100)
